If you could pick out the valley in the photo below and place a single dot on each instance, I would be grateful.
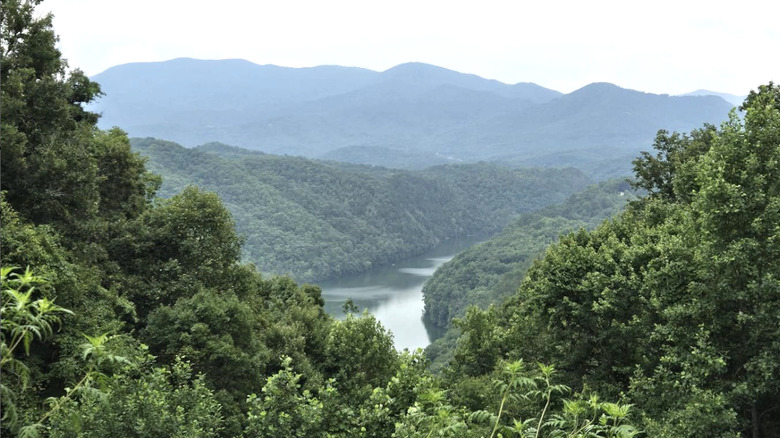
(219, 248)
(393, 293)
(316, 220)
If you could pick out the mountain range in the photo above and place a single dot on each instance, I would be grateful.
(412, 115)
(730, 98)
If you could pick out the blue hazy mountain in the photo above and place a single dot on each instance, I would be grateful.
(599, 115)
(730, 98)
(422, 113)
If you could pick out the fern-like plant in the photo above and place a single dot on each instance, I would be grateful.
(24, 317)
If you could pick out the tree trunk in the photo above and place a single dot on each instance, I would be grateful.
(755, 422)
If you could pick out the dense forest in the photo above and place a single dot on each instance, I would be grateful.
(126, 314)
(489, 272)
(672, 304)
(315, 220)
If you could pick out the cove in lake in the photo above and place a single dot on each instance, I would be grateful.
(394, 293)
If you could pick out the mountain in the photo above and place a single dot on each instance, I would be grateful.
(389, 157)
(730, 98)
(195, 101)
(596, 116)
(412, 115)
(417, 74)
(600, 163)
(316, 219)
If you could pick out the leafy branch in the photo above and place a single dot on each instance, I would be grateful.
(26, 319)
(23, 319)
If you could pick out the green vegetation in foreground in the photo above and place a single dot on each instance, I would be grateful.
(315, 220)
(672, 305)
(127, 315)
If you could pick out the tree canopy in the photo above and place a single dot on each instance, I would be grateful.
(674, 302)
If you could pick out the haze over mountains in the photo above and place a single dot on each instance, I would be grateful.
(731, 98)
(411, 115)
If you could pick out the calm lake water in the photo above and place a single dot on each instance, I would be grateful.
(394, 293)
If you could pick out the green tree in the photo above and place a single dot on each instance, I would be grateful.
(139, 402)
(126, 188)
(479, 346)
(220, 335)
(725, 324)
(360, 356)
(170, 251)
(48, 169)
(675, 302)
(284, 408)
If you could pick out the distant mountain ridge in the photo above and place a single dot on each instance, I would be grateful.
(424, 112)
(730, 98)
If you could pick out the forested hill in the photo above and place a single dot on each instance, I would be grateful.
(409, 115)
(672, 304)
(489, 272)
(316, 219)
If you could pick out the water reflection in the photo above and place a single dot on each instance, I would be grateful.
(394, 293)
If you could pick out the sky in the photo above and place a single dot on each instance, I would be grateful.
(658, 46)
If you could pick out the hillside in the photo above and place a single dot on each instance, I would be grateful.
(307, 111)
(489, 272)
(409, 116)
(316, 219)
(593, 118)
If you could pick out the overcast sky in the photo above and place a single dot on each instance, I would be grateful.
(656, 46)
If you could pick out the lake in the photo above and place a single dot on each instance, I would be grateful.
(394, 293)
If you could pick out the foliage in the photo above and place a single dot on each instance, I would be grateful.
(674, 302)
(360, 355)
(25, 317)
(162, 401)
(168, 251)
(489, 272)
(316, 220)
(535, 392)
(283, 409)
(43, 121)
(218, 333)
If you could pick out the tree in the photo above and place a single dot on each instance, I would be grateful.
(359, 355)
(170, 251)
(161, 401)
(48, 169)
(676, 301)
(479, 347)
(126, 188)
(220, 335)
(284, 408)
